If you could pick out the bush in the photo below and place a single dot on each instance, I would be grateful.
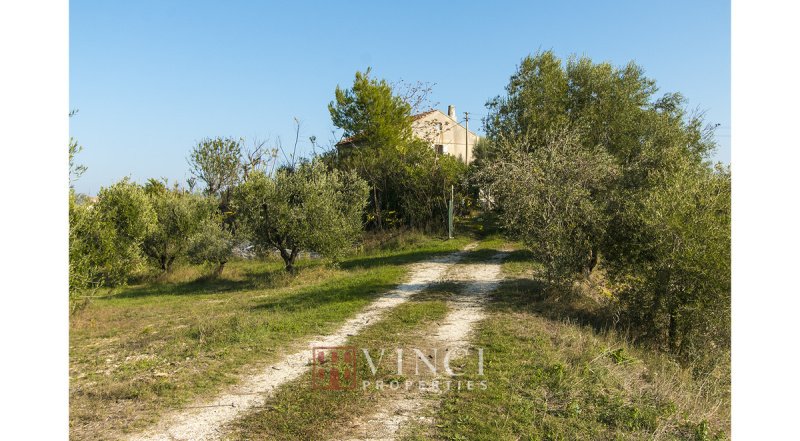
(673, 277)
(106, 238)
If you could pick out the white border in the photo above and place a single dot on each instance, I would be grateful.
(33, 257)
(766, 249)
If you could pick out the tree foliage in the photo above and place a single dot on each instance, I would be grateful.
(106, 237)
(75, 170)
(614, 107)
(371, 112)
(217, 163)
(423, 185)
(673, 271)
(629, 182)
(179, 215)
(84, 275)
(409, 184)
(211, 243)
(306, 208)
(552, 198)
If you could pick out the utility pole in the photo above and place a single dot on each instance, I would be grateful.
(450, 215)
(466, 137)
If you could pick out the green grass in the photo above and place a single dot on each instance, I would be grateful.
(298, 412)
(554, 370)
(157, 345)
(553, 375)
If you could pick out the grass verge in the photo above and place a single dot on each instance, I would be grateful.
(552, 375)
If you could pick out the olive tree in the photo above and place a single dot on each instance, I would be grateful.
(75, 170)
(221, 163)
(672, 276)
(633, 185)
(615, 116)
(211, 243)
(179, 215)
(305, 208)
(106, 237)
(83, 274)
(217, 163)
(550, 197)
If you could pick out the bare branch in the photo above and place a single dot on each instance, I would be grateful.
(417, 95)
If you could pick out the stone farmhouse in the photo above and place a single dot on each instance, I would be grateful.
(442, 131)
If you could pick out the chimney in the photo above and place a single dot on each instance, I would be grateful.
(451, 112)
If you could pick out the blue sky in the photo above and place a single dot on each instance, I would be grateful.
(150, 78)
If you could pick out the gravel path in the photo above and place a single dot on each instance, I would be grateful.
(204, 420)
(396, 412)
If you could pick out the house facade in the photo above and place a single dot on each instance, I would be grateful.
(445, 134)
(442, 131)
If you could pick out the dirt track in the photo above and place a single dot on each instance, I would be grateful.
(204, 420)
(395, 412)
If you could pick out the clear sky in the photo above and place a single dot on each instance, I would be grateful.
(150, 78)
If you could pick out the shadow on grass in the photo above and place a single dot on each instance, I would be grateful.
(275, 276)
(251, 279)
(267, 277)
(522, 255)
(474, 227)
(479, 226)
(484, 255)
(203, 285)
(529, 294)
(368, 262)
(329, 293)
(354, 289)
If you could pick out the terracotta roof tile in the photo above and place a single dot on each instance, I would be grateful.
(347, 140)
(421, 115)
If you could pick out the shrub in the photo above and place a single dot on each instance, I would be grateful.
(106, 237)
(673, 276)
